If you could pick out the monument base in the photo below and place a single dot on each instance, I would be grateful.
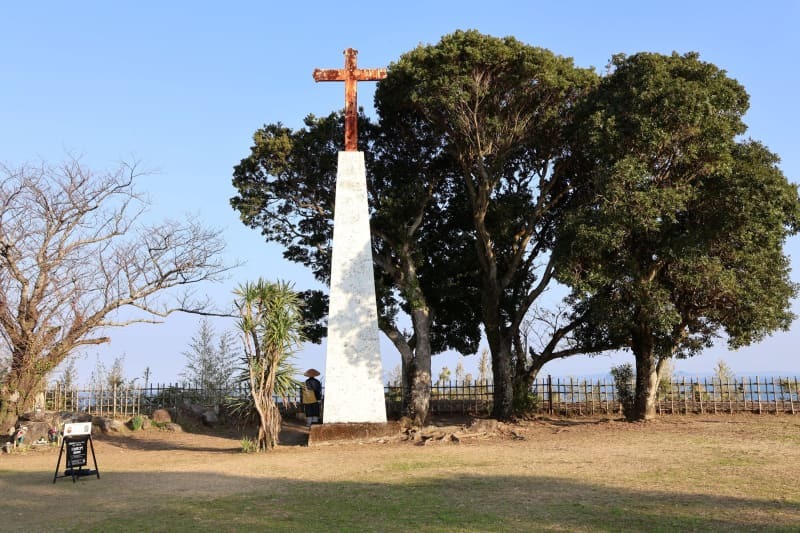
(322, 433)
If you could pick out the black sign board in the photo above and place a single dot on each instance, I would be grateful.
(76, 451)
(77, 448)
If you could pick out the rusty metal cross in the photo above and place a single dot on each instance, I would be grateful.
(350, 74)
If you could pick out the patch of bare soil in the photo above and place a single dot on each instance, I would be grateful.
(545, 440)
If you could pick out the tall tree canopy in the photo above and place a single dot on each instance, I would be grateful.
(498, 109)
(678, 234)
(286, 188)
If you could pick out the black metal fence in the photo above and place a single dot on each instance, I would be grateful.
(555, 396)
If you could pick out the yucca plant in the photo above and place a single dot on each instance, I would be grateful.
(271, 326)
(243, 409)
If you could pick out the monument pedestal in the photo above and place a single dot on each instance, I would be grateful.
(322, 433)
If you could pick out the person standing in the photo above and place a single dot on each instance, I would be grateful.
(312, 395)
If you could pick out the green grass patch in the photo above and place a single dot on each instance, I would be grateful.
(432, 504)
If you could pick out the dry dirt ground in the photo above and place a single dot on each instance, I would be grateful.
(671, 453)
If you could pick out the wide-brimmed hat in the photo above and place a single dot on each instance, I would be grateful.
(311, 373)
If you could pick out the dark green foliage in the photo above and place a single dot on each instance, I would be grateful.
(678, 234)
(496, 109)
(624, 383)
(136, 423)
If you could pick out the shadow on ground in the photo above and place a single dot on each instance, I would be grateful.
(430, 503)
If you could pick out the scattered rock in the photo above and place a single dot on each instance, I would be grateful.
(50, 417)
(35, 430)
(487, 425)
(161, 416)
(209, 418)
(172, 426)
(114, 426)
(194, 409)
(68, 417)
(107, 425)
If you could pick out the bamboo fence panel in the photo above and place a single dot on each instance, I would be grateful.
(552, 396)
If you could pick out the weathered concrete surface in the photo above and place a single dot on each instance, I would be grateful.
(353, 370)
(322, 433)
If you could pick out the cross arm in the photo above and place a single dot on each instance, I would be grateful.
(328, 74)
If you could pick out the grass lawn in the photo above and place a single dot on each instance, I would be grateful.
(679, 473)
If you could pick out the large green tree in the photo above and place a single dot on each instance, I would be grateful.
(286, 188)
(498, 109)
(678, 234)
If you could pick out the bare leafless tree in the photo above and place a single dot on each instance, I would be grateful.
(74, 250)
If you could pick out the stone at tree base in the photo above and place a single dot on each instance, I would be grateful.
(161, 416)
(38, 425)
(37, 430)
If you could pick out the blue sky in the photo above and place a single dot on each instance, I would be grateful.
(182, 86)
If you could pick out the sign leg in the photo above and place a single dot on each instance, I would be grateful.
(91, 447)
(58, 464)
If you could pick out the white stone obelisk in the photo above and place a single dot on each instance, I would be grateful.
(353, 369)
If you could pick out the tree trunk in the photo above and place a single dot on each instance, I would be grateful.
(407, 370)
(644, 402)
(416, 362)
(421, 394)
(523, 378)
(269, 427)
(421, 378)
(17, 394)
(502, 374)
(523, 383)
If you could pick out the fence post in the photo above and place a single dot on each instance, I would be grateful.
(586, 396)
(549, 394)
(775, 393)
(731, 392)
(672, 386)
(572, 397)
(701, 391)
(685, 396)
(758, 393)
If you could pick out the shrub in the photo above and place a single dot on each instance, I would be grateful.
(137, 422)
(248, 445)
(525, 402)
(624, 383)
